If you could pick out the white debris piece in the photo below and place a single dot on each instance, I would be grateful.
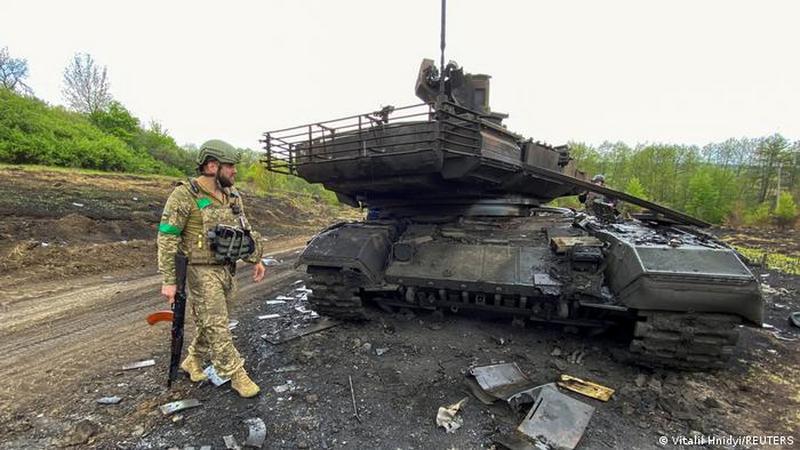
(275, 302)
(268, 316)
(289, 386)
(447, 418)
(283, 297)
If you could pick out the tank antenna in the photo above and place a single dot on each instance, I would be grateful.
(441, 47)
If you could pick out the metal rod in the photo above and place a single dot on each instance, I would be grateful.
(353, 396)
(441, 47)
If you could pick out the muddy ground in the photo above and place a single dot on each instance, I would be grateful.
(70, 324)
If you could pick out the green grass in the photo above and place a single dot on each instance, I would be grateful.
(777, 261)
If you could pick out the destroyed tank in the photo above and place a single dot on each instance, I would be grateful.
(458, 219)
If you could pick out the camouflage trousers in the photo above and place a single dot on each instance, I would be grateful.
(210, 288)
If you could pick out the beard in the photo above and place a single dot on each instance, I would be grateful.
(224, 181)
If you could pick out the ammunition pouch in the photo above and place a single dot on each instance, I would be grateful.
(230, 244)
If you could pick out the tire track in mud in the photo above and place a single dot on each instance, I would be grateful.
(53, 343)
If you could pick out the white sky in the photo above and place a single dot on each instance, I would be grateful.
(668, 71)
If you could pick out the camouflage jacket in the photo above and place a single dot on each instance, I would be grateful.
(189, 214)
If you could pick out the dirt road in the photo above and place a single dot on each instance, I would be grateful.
(57, 336)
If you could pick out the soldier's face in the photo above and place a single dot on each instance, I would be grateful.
(226, 175)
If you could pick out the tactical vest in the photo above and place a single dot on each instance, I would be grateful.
(197, 244)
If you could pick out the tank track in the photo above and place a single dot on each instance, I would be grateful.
(335, 294)
(688, 341)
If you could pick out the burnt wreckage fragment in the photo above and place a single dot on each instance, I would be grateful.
(458, 220)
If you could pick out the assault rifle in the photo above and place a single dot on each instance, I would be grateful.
(176, 316)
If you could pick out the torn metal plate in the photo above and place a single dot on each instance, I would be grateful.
(288, 335)
(556, 420)
(180, 405)
(500, 381)
(139, 364)
(257, 432)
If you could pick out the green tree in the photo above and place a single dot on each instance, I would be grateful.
(117, 121)
(786, 210)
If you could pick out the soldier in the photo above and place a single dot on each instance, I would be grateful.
(197, 216)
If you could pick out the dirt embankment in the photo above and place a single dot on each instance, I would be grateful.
(58, 224)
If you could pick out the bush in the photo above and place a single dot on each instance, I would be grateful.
(759, 216)
(786, 210)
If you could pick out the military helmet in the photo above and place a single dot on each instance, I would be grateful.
(219, 150)
(599, 177)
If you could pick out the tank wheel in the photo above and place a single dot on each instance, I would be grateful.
(688, 341)
(334, 294)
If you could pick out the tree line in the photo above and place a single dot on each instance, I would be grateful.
(741, 181)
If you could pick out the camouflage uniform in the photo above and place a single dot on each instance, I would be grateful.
(189, 214)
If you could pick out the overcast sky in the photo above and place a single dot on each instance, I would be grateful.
(669, 71)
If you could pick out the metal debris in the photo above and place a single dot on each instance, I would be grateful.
(214, 377)
(268, 316)
(381, 351)
(586, 388)
(270, 261)
(286, 369)
(353, 395)
(448, 417)
(233, 324)
(794, 319)
(230, 442)
(109, 400)
(180, 405)
(257, 432)
(139, 364)
(284, 297)
(288, 386)
(498, 381)
(275, 302)
(556, 421)
(288, 335)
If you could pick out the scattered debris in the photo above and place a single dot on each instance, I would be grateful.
(79, 205)
(139, 364)
(556, 352)
(138, 431)
(180, 405)
(288, 386)
(109, 400)
(555, 421)
(230, 442)
(257, 432)
(286, 369)
(576, 357)
(214, 377)
(268, 316)
(447, 416)
(284, 298)
(767, 289)
(586, 388)
(288, 335)
(270, 261)
(233, 324)
(81, 433)
(275, 302)
(353, 396)
(794, 319)
(381, 351)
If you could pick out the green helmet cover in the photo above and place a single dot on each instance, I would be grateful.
(219, 150)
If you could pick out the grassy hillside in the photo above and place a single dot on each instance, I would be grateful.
(32, 132)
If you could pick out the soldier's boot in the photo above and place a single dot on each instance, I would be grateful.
(241, 383)
(194, 368)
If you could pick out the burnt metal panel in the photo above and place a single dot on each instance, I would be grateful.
(359, 247)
